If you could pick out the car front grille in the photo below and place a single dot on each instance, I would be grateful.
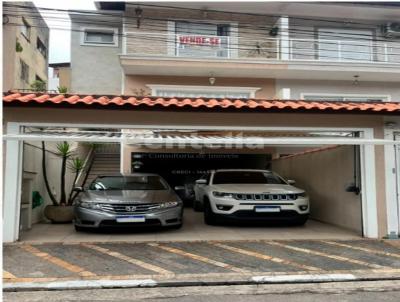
(129, 208)
(258, 197)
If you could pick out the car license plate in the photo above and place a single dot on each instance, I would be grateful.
(267, 209)
(131, 219)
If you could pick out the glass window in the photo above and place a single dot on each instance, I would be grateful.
(202, 39)
(24, 71)
(344, 98)
(246, 177)
(151, 182)
(41, 47)
(26, 29)
(99, 37)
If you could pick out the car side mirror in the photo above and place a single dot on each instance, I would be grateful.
(179, 188)
(77, 189)
(201, 181)
(291, 181)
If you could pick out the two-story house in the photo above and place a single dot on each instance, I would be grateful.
(307, 89)
(25, 47)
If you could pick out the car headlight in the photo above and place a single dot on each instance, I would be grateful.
(304, 195)
(169, 204)
(89, 205)
(222, 194)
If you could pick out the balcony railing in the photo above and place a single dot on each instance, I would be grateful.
(265, 48)
(344, 51)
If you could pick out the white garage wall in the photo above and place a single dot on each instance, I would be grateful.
(33, 165)
(297, 87)
(325, 175)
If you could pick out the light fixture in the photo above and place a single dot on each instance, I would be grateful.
(211, 79)
(139, 15)
(356, 82)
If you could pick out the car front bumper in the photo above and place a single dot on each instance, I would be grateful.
(89, 218)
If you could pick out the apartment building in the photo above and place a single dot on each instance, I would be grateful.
(25, 47)
(307, 89)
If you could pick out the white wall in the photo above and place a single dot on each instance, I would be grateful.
(32, 163)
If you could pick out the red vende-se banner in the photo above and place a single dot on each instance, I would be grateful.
(200, 40)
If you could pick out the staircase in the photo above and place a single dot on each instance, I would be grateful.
(104, 162)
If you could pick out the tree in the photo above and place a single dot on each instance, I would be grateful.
(63, 151)
(62, 89)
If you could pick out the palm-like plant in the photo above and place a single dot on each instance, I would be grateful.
(63, 151)
(76, 165)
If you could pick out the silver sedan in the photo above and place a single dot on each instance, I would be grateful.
(128, 201)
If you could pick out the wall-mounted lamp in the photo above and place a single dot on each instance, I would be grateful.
(212, 79)
(139, 15)
(356, 81)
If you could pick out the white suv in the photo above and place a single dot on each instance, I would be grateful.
(257, 195)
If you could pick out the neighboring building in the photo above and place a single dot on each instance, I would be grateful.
(25, 46)
(315, 81)
(60, 76)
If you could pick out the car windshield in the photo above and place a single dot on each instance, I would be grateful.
(247, 177)
(140, 182)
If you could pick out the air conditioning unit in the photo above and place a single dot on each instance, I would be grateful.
(391, 30)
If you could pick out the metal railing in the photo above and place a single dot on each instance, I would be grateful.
(344, 50)
(260, 48)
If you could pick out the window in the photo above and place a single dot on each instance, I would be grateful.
(24, 71)
(346, 98)
(100, 37)
(202, 39)
(203, 91)
(26, 29)
(41, 47)
(354, 45)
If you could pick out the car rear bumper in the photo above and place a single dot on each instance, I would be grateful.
(97, 219)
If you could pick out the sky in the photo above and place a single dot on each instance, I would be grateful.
(59, 50)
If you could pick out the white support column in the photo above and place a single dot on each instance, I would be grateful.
(392, 203)
(283, 24)
(12, 186)
(368, 188)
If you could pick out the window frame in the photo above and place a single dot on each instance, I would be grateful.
(40, 45)
(22, 64)
(385, 98)
(109, 30)
(155, 88)
(28, 27)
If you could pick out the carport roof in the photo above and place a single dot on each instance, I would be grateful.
(21, 99)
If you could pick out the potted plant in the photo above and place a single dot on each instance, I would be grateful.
(61, 211)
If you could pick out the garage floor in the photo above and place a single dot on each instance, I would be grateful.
(192, 230)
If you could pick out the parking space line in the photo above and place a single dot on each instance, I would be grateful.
(360, 248)
(266, 257)
(199, 258)
(57, 261)
(8, 275)
(126, 258)
(334, 257)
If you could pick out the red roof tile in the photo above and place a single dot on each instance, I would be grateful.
(260, 104)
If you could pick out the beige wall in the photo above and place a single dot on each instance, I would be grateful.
(137, 84)
(64, 74)
(325, 175)
(30, 54)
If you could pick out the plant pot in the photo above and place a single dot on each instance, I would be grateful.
(59, 214)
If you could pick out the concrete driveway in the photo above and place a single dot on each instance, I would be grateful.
(197, 262)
